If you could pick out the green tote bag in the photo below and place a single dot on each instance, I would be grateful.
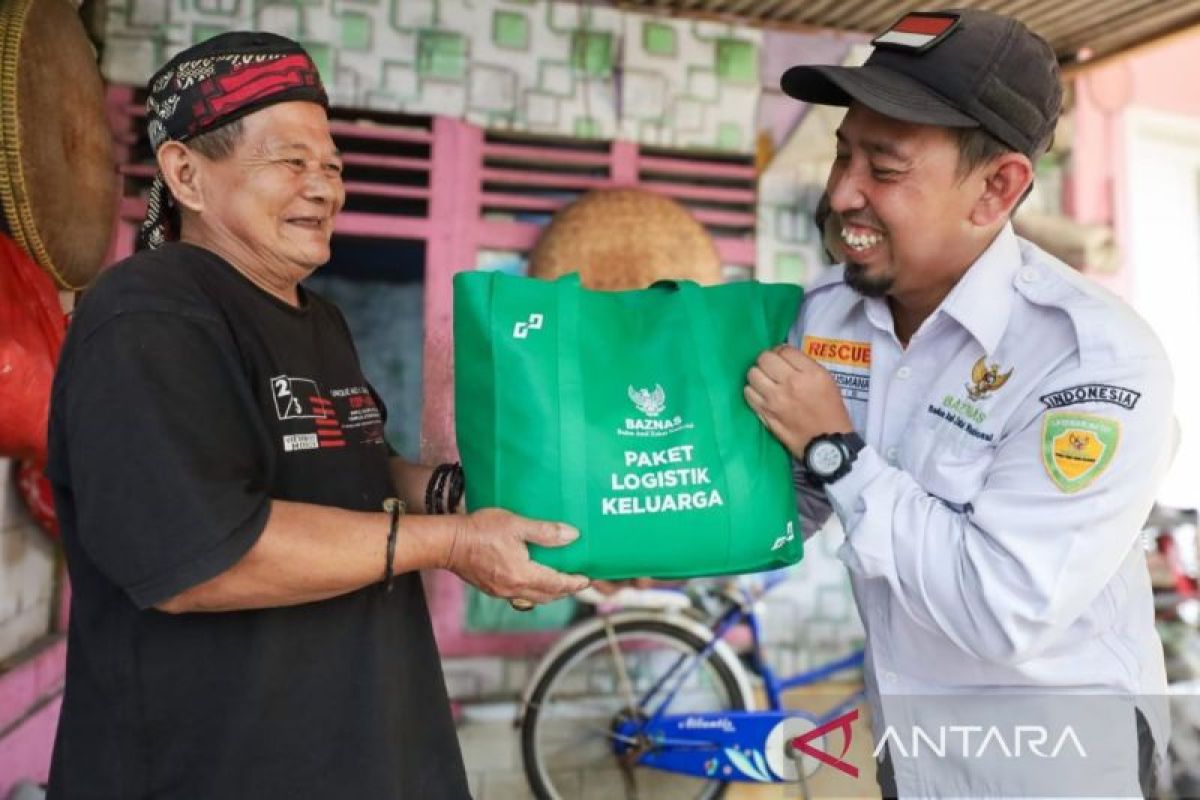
(622, 414)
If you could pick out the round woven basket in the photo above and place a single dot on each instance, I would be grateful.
(625, 239)
(58, 181)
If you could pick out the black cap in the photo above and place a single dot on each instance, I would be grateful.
(962, 68)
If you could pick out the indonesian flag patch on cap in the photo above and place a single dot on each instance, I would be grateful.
(917, 31)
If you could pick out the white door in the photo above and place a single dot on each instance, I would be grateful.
(1163, 190)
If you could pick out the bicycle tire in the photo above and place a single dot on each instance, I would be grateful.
(539, 773)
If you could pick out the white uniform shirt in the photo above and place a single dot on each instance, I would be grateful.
(1013, 453)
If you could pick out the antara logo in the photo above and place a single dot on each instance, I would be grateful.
(804, 743)
(993, 740)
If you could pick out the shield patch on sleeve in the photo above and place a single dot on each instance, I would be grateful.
(1077, 448)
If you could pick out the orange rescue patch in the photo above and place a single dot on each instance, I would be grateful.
(838, 351)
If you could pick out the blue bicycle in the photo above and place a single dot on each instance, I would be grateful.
(656, 704)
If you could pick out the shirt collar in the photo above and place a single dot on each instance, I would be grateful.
(983, 297)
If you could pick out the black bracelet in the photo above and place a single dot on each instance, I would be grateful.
(443, 482)
(445, 489)
(439, 487)
(429, 491)
(455, 488)
(395, 507)
(458, 486)
(433, 489)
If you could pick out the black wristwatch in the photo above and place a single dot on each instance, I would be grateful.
(829, 456)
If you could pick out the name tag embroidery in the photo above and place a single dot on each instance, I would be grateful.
(841, 352)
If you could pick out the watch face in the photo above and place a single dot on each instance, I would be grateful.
(825, 458)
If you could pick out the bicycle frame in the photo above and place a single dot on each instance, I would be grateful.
(733, 745)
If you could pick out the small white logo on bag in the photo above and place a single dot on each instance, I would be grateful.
(521, 329)
(787, 537)
(649, 403)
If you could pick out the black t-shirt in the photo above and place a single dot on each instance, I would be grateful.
(186, 398)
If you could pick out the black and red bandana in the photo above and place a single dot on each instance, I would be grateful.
(212, 84)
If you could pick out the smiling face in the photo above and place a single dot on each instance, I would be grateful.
(269, 206)
(901, 207)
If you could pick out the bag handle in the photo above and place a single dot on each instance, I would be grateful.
(571, 439)
(737, 472)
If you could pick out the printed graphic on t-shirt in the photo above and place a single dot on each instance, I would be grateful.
(359, 414)
(346, 414)
(294, 397)
(301, 399)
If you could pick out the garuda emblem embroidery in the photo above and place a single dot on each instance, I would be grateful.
(985, 379)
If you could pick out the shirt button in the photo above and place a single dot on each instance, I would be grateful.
(903, 373)
(1029, 274)
(891, 453)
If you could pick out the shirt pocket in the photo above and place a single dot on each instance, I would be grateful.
(947, 462)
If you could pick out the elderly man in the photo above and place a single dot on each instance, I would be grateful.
(247, 617)
(989, 426)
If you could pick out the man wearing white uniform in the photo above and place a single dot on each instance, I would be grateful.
(989, 426)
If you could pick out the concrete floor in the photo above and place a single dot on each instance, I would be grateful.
(491, 749)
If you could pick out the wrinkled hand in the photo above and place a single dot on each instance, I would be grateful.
(795, 397)
(489, 552)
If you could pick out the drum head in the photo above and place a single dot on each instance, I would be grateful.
(58, 181)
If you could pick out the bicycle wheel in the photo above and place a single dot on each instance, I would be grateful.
(568, 733)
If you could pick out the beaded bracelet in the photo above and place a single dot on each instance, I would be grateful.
(456, 490)
(395, 507)
(429, 491)
(445, 489)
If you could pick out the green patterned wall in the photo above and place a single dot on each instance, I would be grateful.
(522, 65)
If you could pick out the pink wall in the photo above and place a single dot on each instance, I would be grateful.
(1159, 78)
(30, 697)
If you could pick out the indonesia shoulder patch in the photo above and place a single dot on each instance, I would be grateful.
(1077, 448)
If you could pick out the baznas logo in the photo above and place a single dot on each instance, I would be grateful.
(649, 403)
(987, 379)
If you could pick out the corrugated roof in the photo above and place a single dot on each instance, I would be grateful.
(1095, 28)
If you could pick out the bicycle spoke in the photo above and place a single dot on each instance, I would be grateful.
(593, 733)
(619, 661)
(562, 706)
(571, 739)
